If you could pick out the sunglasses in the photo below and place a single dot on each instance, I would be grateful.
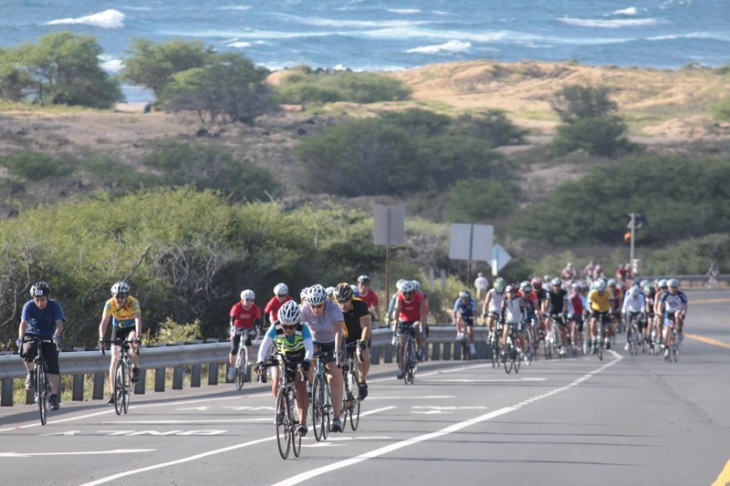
(408, 293)
(120, 296)
(248, 300)
(318, 306)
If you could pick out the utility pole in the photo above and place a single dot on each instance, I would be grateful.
(632, 224)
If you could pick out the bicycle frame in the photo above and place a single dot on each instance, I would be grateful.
(42, 390)
(321, 406)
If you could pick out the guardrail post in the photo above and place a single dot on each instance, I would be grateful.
(212, 373)
(6, 400)
(77, 388)
(435, 351)
(97, 393)
(29, 397)
(388, 355)
(195, 375)
(139, 387)
(375, 355)
(160, 379)
(447, 350)
(177, 377)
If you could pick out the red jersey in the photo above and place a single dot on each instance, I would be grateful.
(530, 298)
(371, 299)
(410, 310)
(274, 305)
(577, 303)
(244, 318)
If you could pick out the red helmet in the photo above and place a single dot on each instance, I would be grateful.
(536, 282)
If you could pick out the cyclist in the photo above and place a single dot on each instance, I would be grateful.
(569, 273)
(368, 295)
(281, 295)
(577, 305)
(554, 308)
(42, 317)
(493, 304)
(617, 290)
(634, 308)
(294, 339)
(326, 321)
(673, 306)
(126, 316)
(541, 294)
(511, 314)
(662, 290)
(356, 330)
(410, 307)
(530, 310)
(599, 303)
(245, 320)
(465, 308)
(422, 335)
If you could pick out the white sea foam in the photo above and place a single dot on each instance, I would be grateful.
(626, 11)
(111, 65)
(451, 46)
(108, 19)
(610, 24)
(235, 7)
(404, 11)
(239, 45)
(354, 24)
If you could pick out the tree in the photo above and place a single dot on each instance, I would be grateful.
(66, 69)
(14, 82)
(589, 122)
(153, 65)
(494, 127)
(481, 200)
(229, 85)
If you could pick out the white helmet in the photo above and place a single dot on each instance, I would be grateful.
(417, 284)
(248, 295)
(408, 286)
(316, 295)
(281, 289)
(329, 291)
(399, 284)
(303, 294)
(120, 288)
(634, 292)
(289, 313)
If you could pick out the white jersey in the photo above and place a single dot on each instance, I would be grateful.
(634, 304)
(495, 304)
(513, 310)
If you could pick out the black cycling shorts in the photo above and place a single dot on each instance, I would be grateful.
(49, 350)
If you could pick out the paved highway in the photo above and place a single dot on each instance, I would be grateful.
(624, 420)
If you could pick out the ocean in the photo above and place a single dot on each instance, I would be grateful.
(375, 35)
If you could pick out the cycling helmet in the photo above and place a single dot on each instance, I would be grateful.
(316, 295)
(647, 287)
(343, 292)
(330, 291)
(303, 294)
(511, 288)
(281, 289)
(536, 282)
(643, 283)
(634, 291)
(465, 294)
(612, 282)
(289, 313)
(525, 286)
(248, 295)
(417, 284)
(399, 284)
(499, 285)
(576, 285)
(546, 278)
(663, 284)
(601, 285)
(363, 279)
(408, 286)
(621, 285)
(556, 282)
(120, 288)
(673, 283)
(39, 289)
(355, 291)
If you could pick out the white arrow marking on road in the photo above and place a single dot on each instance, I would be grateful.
(70, 432)
(202, 409)
(429, 412)
(322, 444)
(253, 409)
(450, 408)
(80, 453)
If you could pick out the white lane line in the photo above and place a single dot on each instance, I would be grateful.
(423, 397)
(434, 435)
(200, 456)
(78, 453)
(178, 422)
(486, 380)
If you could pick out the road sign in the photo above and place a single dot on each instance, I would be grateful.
(389, 225)
(472, 242)
(500, 258)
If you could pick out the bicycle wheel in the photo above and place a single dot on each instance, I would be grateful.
(296, 439)
(241, 365)
(354, 405)
(516, 361)
(546, 346)
(41, 383)
(119, 372)
(494, 344)
(407, 361)
(283, 423)
(507, 357)
(529, 352)
(127, 388)
(318, 408)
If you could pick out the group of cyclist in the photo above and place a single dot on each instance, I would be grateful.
(571, 306)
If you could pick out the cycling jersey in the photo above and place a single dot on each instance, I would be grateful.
(273, 305)
(577, 305)
(122, 316)
(42, 322)
(495, 302)
(371, 298)
(600, 301)
(352, 328)
(410, 310)
(245, 318)
(556, 301)
(296, 347)
(512, 310)
(467, 309)
(326, 325)
(634, 304)
(673, 303)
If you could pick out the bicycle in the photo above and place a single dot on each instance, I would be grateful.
(287, 436)
(529, 352)
(598, 343)
(321, 398)
(243, 365)
(551, 337)
(121, 384)
(494, 344)
(672, 353)
(42, 390)
(410, 365)
(350, 404)
(633, 334)
(510, 355)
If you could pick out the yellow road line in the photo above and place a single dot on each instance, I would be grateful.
(709, 301)
(724, 478)
(707, 340)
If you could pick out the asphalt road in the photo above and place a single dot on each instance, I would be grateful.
(624, 420)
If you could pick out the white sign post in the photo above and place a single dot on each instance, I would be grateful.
(388, 229)
(500, 258)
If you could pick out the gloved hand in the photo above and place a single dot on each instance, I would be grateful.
(305, 365)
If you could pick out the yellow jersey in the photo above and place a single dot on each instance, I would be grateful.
(122, 316)
(600, 301)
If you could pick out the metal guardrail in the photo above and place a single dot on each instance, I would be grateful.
(78, 364)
